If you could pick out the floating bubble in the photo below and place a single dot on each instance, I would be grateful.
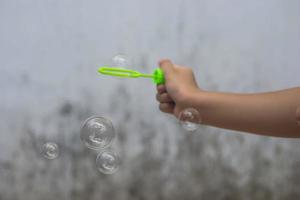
(298, 115)
(120, 61)
(108, 162)
(189, 119)
(50, 150)
(97, 133)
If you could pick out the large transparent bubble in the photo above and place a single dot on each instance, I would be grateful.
(108, 162)
(50, 150)
(189, 119)
(97, 133)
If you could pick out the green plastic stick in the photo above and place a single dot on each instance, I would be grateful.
(157, 76)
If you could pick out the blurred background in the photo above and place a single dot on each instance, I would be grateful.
(49, 54)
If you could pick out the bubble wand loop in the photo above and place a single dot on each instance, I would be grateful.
(157, 76)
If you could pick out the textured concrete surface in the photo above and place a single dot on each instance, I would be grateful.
(49, 53)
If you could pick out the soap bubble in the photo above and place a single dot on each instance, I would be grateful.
(108, 162)
(97, 133)
(298, 115)
(50, 150)
(120, 61)
(189, 119)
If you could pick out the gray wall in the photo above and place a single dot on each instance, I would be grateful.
(49, 54)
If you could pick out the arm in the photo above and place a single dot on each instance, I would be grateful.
(272, 113)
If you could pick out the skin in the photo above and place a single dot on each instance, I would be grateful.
(271, 114)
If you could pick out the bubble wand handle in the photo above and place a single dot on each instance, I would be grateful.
(157, 76)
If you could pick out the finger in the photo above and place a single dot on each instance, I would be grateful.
(164, 98)
(166, 107)
(167, 66)
(161, 89)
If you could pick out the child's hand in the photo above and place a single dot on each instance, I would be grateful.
(180, 85)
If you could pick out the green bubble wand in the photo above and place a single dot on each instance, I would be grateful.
(157, 76)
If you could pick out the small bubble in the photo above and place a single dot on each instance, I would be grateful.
(189, 119)
(97, 133)
(108, 162)
(50, 150)
(120, 61)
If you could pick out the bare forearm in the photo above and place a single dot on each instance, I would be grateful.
(271, 113)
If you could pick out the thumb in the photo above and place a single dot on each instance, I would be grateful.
(167, 67)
